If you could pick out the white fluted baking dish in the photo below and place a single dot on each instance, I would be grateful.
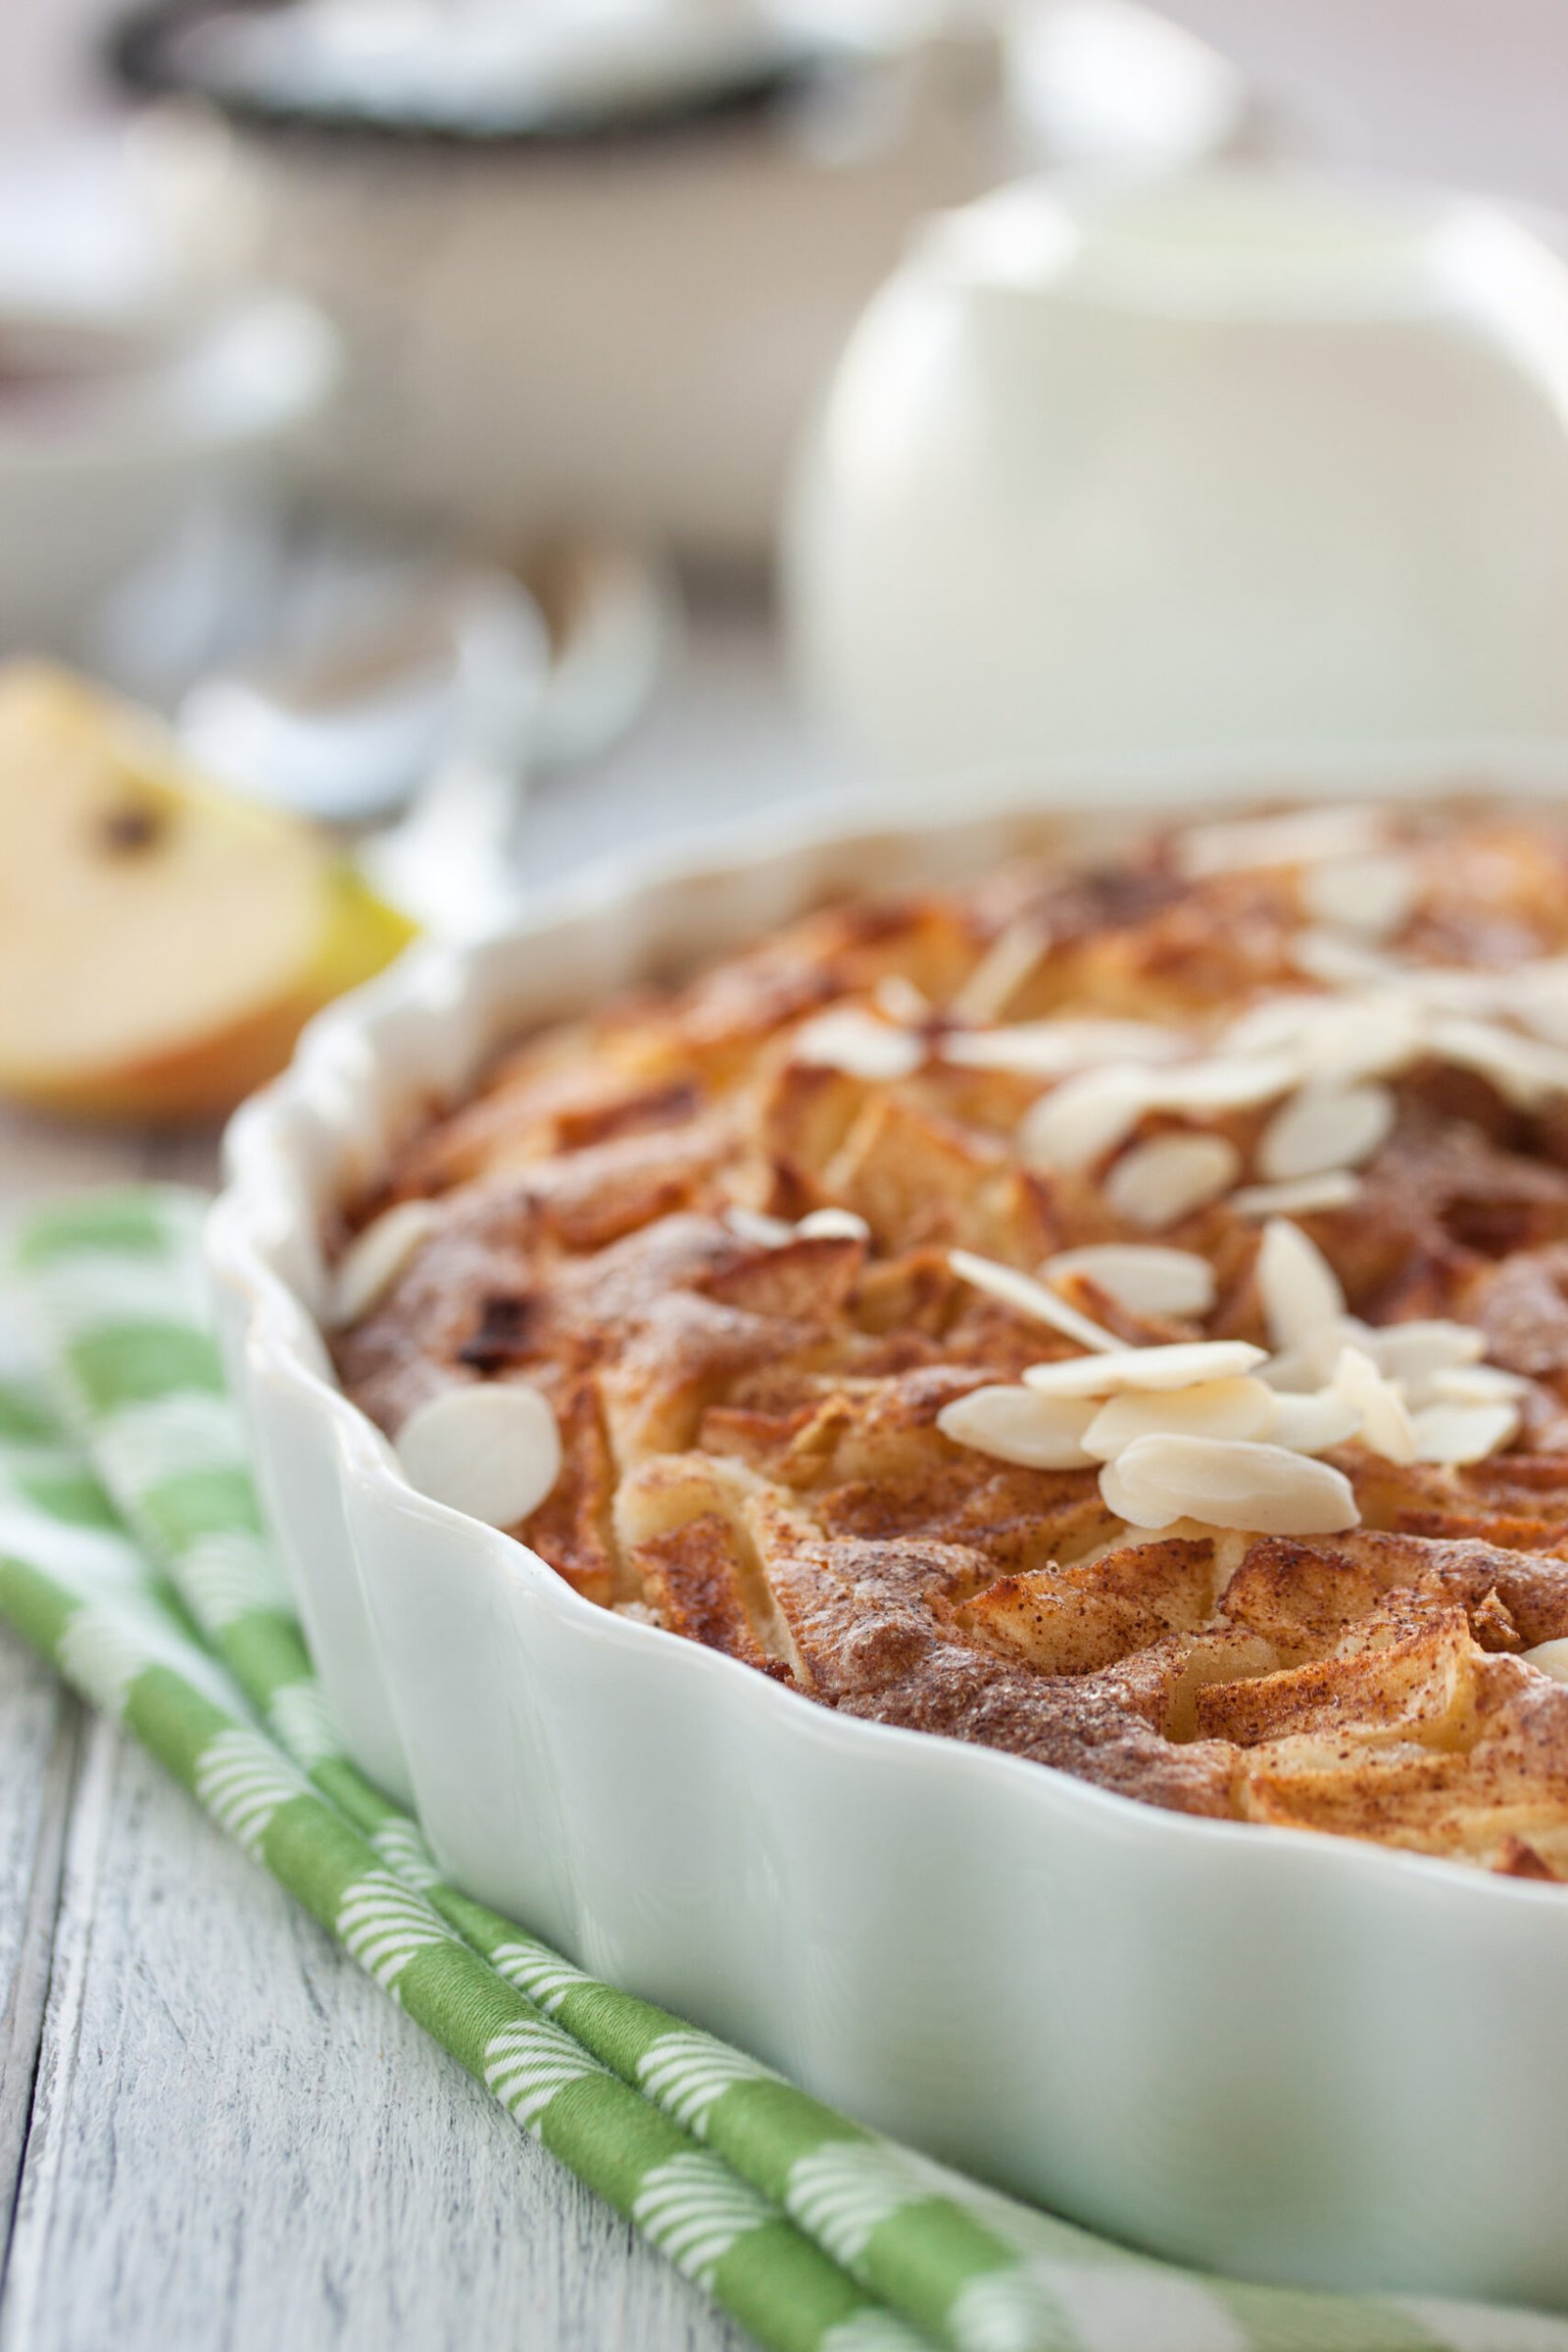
(1284, 2055)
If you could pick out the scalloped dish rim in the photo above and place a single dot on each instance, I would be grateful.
(305, 1136)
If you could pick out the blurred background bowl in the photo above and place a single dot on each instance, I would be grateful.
(595, 283)
(125, 410)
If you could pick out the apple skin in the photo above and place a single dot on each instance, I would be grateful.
(204, 1078)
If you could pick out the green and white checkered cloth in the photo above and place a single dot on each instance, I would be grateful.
(132, 1554)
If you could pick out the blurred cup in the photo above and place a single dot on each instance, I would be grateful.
(1237, 460)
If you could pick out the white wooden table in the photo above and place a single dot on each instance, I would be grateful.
(214, 2130)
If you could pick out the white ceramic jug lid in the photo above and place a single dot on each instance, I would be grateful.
(1223, 240)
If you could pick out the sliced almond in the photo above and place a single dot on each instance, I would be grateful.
(1336, 1041)
(1298, 1288)
(376, 1258)
(1463, 1432)
(1226, 1482)
(1302, 1197)
(492, 1451)
(1312, 1422)
(1140, 1276)
(1325, 1127)
(1525, 1072)
(1548, 1020)
(1057, 1048)
(899, 1000)
(1298, 837)
(1227, 1081)
(848, 1038)
(1458, 988)
(833, 1225)
(1475, 1384)
(752, 1225)
(1312, 1362)
(1373, 897)
(1039, 1433)
(1340, 962)
(1369, 1039)
(1386, 1424)
(1548, 1657)
(1083, 1117)
(1158, 1183)
(1180, 1366)
(773, 1233)
(1295, 1371)
(1003, 969)
(1292, 1017)
(1214, 1408)
(1027, 1297)
(1538, 997)
(1414, 1352)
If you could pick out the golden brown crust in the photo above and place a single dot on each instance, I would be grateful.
(750, 1424)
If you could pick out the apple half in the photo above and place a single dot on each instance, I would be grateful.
(161, 944)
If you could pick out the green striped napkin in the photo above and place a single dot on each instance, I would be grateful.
(132, 1554)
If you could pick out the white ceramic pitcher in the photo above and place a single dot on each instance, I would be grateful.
(1235, 460)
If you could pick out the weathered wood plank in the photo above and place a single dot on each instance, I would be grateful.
(38, 1729)
(239, 2142)
(39, 1726)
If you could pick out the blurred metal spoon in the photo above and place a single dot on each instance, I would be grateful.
(439, 703)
